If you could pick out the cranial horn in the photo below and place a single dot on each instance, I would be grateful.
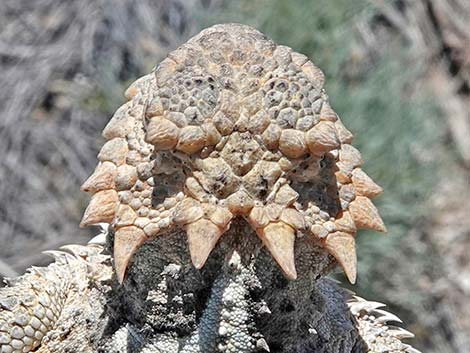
(101, 209)
(365, 214)
(279, 239)
(202, 238)
(343, 247)
(127, 240)
(101, 179)
(364, 185)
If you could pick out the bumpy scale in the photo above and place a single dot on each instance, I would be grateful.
(232, 125)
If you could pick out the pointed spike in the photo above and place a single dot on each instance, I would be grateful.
(365, 214)
(202, 238)
(401, 333)
(358, 305)
(120, 124)
(102, 208)
(350, 157)
(343, 247)
(383, 316)
(101, 179)
(262, 345)
(322, 138)
(327, 113)
(99, 239)
(279, 239)
(364, 185)
(76, 250)
(127, 241)
(345, 223)
(410, 349)
(60, 257)
(344, 135)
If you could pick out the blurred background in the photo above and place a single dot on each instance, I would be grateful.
(398, 74)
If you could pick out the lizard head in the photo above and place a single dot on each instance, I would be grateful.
(231, 125)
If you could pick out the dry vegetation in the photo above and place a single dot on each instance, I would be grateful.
(399, 75)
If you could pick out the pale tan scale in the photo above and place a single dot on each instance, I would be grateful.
(231, 126)
(322, 138)
(350, 157)
(188, 210)
(258, 217)
(292, 143)
(319, 231)
(154, 108)
(293, 218)
(102, 208)
(114, 150)
(191, 139)
(126, 177)
(327, 113)
(101, 179)
(273, 211)
(365, 214)
(220, 216)
(222, 122)
(271, 136)
(364, 185)
(120, 124)
(347, 192)
(345, 223)
(314, 73)
(286, 195)
(137, 86)
(162, 133)
(258, 122)
(343, 247)
(344, 135)
(299, 59)
(240, 202)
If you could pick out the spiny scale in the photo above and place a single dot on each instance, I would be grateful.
(251, 124)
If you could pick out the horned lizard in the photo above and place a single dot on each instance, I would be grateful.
(231, 188)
